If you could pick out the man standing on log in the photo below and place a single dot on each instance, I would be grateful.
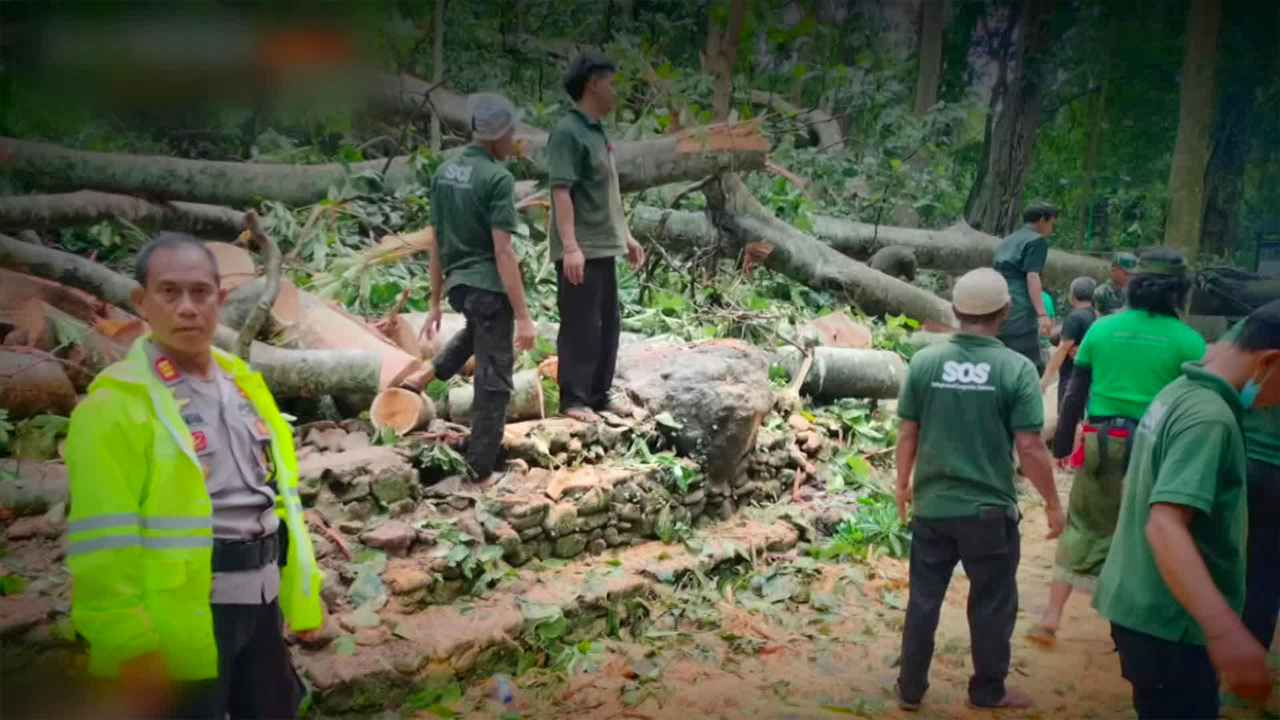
(186, 538)
(474, 213)
(1113, 295)
(965, 406)
(588, 232)
(1174, 583)
(1020, 258)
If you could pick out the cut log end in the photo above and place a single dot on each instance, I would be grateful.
(402, 410)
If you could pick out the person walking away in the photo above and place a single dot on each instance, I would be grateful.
(1262, 563)
(1174, 583)
(1020, 258)
(1111, 296)
(474, 213)
(1074, 327)
(186, 541)
(1124, 360)
(588, 232)
(965, 405)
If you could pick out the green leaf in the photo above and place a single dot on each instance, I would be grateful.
(553, 629)
(858, 466)
(666, 420)
(345, 645)
(442, 711)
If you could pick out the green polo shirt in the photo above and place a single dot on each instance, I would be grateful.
(1108, 298)
(1022, 252)
(1133, 355)
(1188, 451)
(969, 395)
(471, 196)
(1261, 427)
(580, 156)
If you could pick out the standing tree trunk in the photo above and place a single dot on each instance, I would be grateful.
(997, 204)
(437, 68)
(930, 54)
(993, 105)
(1191, 150)
(1093, 146)
(1224, 175)
(723, 36)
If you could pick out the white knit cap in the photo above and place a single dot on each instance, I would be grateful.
(980, 292)
(492, 116)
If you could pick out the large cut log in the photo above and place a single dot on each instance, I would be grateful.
(1232, 292)
(846, 372)
(309, 373)
(690, 155)
(53, 167)
(235, 264)
(33, 382)
(86, 350)
(742, 220)
(86, 207)
(67, 269)
(526, 401)
(402, 410)
(17, 287)
(321, 326)
(957, 249)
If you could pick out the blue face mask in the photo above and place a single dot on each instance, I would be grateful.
(1249, 393)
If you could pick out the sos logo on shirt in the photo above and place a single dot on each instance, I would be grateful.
(953, 371)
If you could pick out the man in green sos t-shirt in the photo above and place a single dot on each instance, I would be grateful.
(1020, 258)
(1262, 577)
(965, 405)
(1174, 582)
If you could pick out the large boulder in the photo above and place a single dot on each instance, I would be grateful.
(718, 392)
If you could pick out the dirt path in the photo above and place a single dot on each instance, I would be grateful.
(806, 664)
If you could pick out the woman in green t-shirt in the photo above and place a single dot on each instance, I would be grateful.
(1123, 362)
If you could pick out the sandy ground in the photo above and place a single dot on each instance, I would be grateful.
(844, 667)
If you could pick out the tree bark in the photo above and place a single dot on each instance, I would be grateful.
(308, 373)
(823, 126)
(321, 326)
(997, 205)
(526, 401)
(846, 372)
(722, 52)
(1093, 148)
(86, 207)
(742, 220)
(34, 382)
(437, 67)
(930, 55)
(270, 288)
(956, 249)
(1195, 113)
(691, 155)
(67, 269)
(87, 350)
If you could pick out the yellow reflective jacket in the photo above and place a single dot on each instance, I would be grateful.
(140, 526)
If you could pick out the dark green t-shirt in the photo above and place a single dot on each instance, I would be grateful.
(1188, 451)
(1110, 299)
(969, 395)
(1133, 355)
(1022, 252)
(471, 196)
(1261, 427)
(580, 155)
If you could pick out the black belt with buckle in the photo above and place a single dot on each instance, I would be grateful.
(241, 555)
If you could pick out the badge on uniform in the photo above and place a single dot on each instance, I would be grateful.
(200, 440)
(261, 429)
(240, 391)
(167, 371)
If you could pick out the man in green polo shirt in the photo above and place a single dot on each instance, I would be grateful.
(1174, 582)
(1020, 258)
(474, 213)
(965, 405)
(1113, 295)
(1262, 578)
(588, 233)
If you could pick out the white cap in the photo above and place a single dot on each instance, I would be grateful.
(980, 292)
(492, 116)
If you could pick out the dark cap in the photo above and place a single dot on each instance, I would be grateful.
(580, 70)
(1126, 260)
(1162, 261)
(1042, 207)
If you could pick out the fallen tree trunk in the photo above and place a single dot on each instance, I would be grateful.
(742, 220)
(526, 401)
(87, 350)
(86, 207)
(271, 286)
(824, 126)
(321, 326)
(846, 372)
(402, 410)
(308, 373)
(67, 269)
(16, 288)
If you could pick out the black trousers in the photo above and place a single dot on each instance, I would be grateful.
(1262, 576)
(488, 336)
(990, 548)
(590, 325)
(1171, 680)
(1027, 344)
(256, 678)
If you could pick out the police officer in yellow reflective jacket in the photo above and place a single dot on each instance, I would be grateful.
(186, 540)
